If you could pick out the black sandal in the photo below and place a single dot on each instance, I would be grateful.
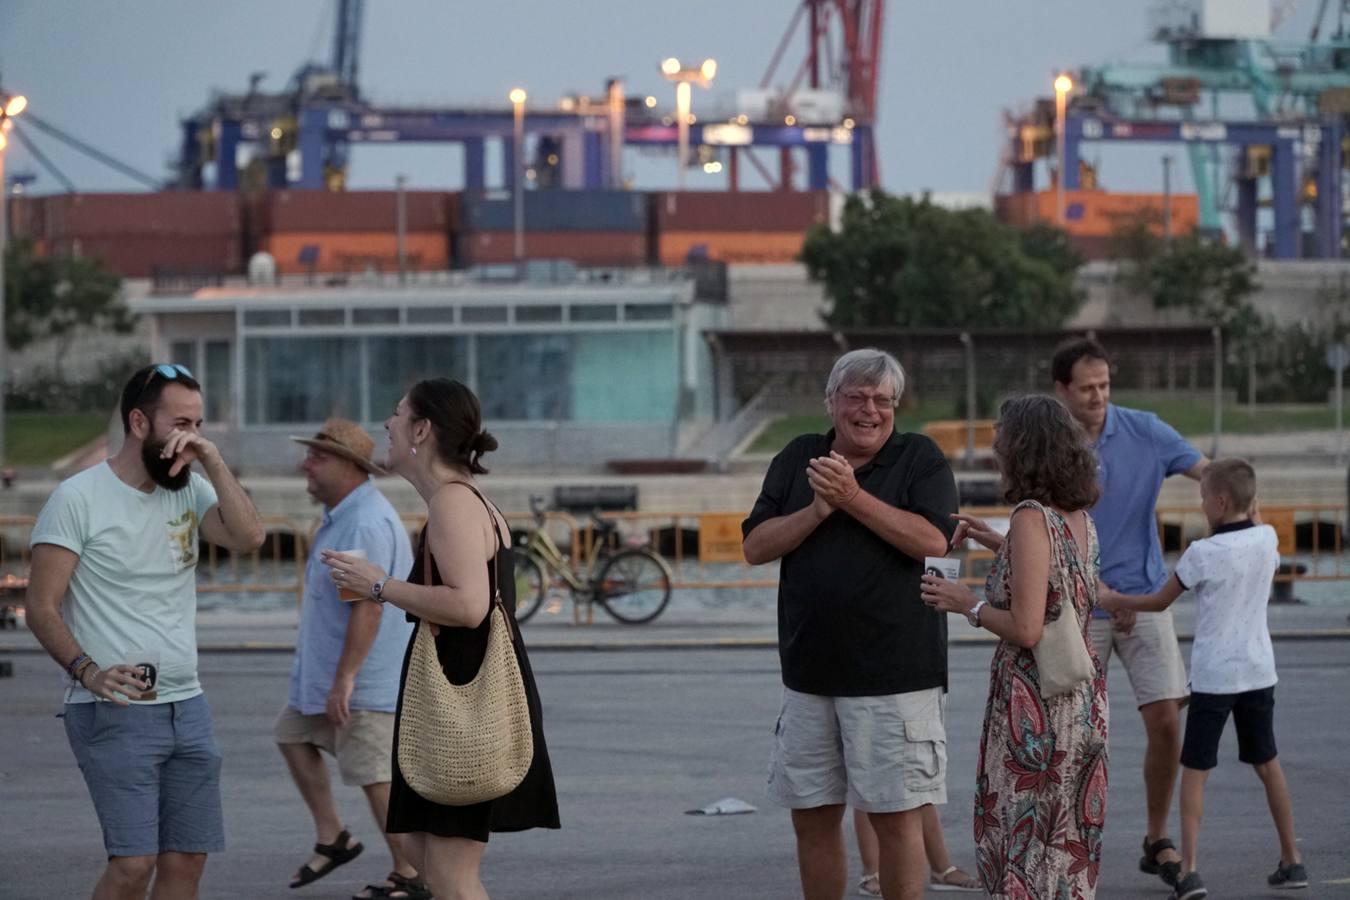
(1169, 871)
(400, 887)
(337, 852)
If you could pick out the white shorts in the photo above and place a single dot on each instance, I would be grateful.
(877, 754)
(1150, 653)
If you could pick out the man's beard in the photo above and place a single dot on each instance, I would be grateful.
(158, 467)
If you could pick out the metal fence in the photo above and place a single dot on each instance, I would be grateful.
(703, 548)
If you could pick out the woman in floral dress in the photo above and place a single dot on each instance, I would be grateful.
(1040, 797)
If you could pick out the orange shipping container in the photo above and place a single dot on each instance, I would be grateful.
(356, 251)
(1098, 213)
(585, 248)
(762, 247)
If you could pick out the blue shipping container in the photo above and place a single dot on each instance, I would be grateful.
(556, 211)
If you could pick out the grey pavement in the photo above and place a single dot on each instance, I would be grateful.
(637, 737)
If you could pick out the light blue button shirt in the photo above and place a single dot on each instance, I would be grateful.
(366, 520)
(1136, 452)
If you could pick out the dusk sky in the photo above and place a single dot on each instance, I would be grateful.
(120, 75)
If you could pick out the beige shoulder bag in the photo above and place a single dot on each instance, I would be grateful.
(465, 744)
(1062, 658)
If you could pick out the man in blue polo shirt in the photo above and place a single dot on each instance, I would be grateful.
(1136, 452)
(344, 682)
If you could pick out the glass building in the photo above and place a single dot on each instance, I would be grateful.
(572, 375)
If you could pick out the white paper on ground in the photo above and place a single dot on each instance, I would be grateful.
(727, 806)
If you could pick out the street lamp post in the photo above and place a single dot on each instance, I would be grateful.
(1063, 84)
(684, 78)
(11, 107)
(517, 97)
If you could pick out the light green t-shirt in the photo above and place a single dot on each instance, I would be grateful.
(135, 585)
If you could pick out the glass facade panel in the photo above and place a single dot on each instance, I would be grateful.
(532, 314)
(218, 381)
(384, 316)
(432, 315)
(594, 312)
(525, 376)
(648, 312)
(184, 353)
(395, 363)
(300, 380)
(267, 318)
(479, 315)
(312, 317)
(624, 376)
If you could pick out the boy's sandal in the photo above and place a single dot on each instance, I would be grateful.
(1169, 871)
(943, 881)
(399, 887)
(337, 853)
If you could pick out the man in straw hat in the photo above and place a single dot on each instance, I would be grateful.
(344, 683)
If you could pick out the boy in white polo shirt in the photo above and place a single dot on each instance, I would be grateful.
(1232, 662)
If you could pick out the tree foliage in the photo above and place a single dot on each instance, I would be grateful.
(53, 298)
(899, 262)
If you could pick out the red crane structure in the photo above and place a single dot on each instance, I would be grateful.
(843, 53)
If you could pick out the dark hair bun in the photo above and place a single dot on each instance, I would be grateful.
(483, 442)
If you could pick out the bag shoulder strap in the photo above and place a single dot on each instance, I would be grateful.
(496, 598)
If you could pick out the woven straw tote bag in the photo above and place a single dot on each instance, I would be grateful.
(465, 744)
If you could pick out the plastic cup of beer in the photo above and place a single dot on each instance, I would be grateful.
(145, 660)
(347, 594)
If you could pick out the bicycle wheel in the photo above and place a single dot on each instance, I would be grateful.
(531, 585)
(634, 586)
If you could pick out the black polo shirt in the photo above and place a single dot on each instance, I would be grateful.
(851, 622)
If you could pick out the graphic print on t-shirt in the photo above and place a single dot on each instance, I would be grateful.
(183, 539)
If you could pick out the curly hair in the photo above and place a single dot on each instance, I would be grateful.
(1043, 454)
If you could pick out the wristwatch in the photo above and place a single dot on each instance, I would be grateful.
(973, 617)
(378, 588)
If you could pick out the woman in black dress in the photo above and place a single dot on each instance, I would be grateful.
(435, 442)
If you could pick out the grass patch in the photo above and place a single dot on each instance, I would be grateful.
(1188, 414)
(40, 438)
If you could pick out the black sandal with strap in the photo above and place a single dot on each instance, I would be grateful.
(1149, 864)
(337, 853)
(400, 887)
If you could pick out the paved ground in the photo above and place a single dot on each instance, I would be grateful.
(637, 738)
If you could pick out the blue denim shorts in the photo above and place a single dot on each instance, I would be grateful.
(153, 772)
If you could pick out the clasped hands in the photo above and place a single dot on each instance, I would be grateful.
(832, 479)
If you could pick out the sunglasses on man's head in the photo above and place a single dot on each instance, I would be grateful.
(167, 371)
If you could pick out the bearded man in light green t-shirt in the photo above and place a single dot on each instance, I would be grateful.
(114, 575)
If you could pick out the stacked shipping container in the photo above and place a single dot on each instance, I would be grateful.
(743, 227)
(136, 234)
(1092, 217)
(591, 228)
(351, 231)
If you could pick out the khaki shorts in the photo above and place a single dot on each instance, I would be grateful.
(363, 747)
(877, 754)
(1150, 653)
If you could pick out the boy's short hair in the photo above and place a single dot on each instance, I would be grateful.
(1234, 479)
(1069, 352)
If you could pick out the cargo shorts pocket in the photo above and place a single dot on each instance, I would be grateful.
(926, 755)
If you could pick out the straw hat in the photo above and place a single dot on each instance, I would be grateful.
(346, 439)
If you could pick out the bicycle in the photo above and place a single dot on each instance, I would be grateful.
(632, 584)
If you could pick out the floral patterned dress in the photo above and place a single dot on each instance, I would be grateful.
(1040, 797)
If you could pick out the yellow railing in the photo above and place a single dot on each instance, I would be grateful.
(702, 547)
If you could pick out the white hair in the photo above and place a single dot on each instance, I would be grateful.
(868, 367)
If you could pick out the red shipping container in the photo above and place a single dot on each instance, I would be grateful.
(366, 211)
(741, 210)
(187, 213)
(585, 248)
(137, 256)
(27, 217)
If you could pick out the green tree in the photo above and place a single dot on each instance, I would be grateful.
(1211, 280)
(903, 263)
(54, 298)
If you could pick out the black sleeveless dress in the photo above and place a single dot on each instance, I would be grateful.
(534, 802)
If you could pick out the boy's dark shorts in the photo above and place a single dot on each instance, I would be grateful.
(1253, 715)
